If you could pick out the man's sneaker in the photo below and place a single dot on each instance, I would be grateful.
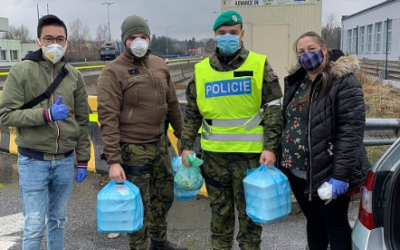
(166, 245)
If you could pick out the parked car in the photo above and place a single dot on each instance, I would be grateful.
(378, 223)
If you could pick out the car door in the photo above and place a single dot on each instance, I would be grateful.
(391, 205)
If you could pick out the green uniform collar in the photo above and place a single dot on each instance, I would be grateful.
(231, 63)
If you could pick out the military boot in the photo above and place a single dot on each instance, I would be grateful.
(166, 245)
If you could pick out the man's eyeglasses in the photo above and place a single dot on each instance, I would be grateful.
(49, 40)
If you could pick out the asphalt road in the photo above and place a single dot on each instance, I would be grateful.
(188, 221)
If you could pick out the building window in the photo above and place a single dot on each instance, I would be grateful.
(362, 39)
(349, 41)
(14, 55)
(387, 38)
(3, 54)
(369, 38)
(355, 41)
(378, 37)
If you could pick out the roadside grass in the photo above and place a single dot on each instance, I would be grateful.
(382, 101)
(1, 186)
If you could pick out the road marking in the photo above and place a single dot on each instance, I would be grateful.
(9, 225)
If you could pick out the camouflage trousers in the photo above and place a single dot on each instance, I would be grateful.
(230, 168)
(156, 189)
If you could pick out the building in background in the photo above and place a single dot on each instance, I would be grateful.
(12, 51)
(272, 27)
(179, 48)
(373, 33)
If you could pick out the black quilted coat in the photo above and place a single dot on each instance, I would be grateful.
(336, 125)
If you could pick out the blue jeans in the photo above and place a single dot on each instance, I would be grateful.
(45, 189)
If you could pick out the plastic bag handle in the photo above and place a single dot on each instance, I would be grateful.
(114, 182)
(267, 169)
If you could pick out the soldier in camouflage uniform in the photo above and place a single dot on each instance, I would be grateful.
(240, 127)
(136, 96)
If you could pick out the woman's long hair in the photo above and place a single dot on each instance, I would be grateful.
(326, 72)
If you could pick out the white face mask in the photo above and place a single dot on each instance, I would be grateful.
(53, 52)
(139, 47)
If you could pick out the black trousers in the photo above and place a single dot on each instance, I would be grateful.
(325, 223)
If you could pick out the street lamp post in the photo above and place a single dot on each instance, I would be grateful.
(166, 34)
(108, 14)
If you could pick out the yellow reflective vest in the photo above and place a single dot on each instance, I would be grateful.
(230, 103)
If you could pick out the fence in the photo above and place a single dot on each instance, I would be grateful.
(378, 69)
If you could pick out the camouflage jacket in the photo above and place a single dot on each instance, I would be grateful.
(271, 90)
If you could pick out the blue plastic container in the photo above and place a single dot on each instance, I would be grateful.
(119, 208)
(268, 195)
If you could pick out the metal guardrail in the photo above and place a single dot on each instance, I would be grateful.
(188, 60)
(377, 69)
(180, 69)
(378, 131)
(381, 131)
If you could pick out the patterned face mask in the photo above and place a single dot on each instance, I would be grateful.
(311, 61)
(53, 52)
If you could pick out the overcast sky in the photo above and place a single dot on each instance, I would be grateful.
(189, 18)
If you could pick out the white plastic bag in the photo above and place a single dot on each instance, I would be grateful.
(325, 192)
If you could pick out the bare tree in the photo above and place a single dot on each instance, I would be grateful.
(331, 32)
(78, 32)
(101, 34)
(19, 33)
(210, 46)
(331, 21)
(79, 41)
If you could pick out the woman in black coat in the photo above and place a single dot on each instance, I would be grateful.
(322, 140)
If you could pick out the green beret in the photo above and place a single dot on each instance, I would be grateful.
(227, 18)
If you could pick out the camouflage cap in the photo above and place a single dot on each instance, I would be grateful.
(227, 18)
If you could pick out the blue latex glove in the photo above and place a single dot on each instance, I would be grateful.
(338, 187)
(58, 111)
(81, 174)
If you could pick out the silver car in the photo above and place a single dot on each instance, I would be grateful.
(378, 223)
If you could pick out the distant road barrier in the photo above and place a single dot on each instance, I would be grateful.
(90, 67)
(189, 60)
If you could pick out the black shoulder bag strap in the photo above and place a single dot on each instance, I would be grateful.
(50, 90)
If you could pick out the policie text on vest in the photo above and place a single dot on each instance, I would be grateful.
(228, 87)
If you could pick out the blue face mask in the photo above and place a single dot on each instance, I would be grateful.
(228, 43)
